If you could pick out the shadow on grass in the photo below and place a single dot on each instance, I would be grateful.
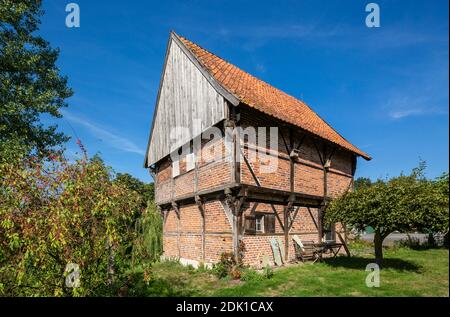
(171, 285)
(423, 247)
(356, 262)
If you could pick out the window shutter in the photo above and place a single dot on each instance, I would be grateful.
(269, 223)
(175, 168)
(190, 162)
(250, 224)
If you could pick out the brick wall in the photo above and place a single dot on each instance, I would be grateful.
(258, 246)
(212, 171)
(218, 236)
(187, 243)
(183, 237)
(308, 170)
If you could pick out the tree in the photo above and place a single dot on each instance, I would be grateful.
(362, 182)
(404, 203)
(30, 83)
(53, 213)
(145, 190)
(147, 247)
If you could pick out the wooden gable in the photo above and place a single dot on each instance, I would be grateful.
(187, 94)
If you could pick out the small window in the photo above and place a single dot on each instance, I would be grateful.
(190, 162)
(269, 223)
(259, 223)
(175, 168)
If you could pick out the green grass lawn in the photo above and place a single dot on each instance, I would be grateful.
(405, 272)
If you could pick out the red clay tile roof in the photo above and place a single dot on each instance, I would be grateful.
(266, 98)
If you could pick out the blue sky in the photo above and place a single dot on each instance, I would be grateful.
(385, 89)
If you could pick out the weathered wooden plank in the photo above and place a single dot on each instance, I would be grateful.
(185, 95)
(276, 251)
(344, 243)
(201, 208)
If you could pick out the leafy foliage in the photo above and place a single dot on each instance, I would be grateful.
(250, 275)
(226, 264)
(146, 191)
(55, 213)
(362, 182)
(30, 83)
(404, 203)
(147, 246)
(229, 265)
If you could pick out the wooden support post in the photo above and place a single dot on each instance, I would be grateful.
(325, 160)
(287, 227)
(292, 174)
(197, 155)
(172, 181)
(201, 208)
(230, 128)
(320, 222)
(286, 233)
(293, 218)
(232, 204)
(177, 211)
(239, 225)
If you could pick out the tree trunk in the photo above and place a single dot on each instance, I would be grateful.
(378, 243)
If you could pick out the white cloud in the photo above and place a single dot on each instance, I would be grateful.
(109, 137)
(422, 89)
(412, 105)
(398, 114)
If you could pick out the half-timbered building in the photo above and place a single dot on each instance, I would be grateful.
(236, 201)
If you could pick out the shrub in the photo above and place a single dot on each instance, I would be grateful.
(147, 246)
(220, 270)
(226, 266)
(53, 213)
(236, 272)
(202, 268)
(409, 242)
(268, 272)
(250, 275)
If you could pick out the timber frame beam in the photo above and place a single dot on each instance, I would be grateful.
(176, 208)
(233, 205)
(235, 195)
(325, 156)
(201, 208)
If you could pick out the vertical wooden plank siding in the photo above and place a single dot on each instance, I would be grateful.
(186, 95)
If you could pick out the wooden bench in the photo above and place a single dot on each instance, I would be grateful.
(306, 250)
